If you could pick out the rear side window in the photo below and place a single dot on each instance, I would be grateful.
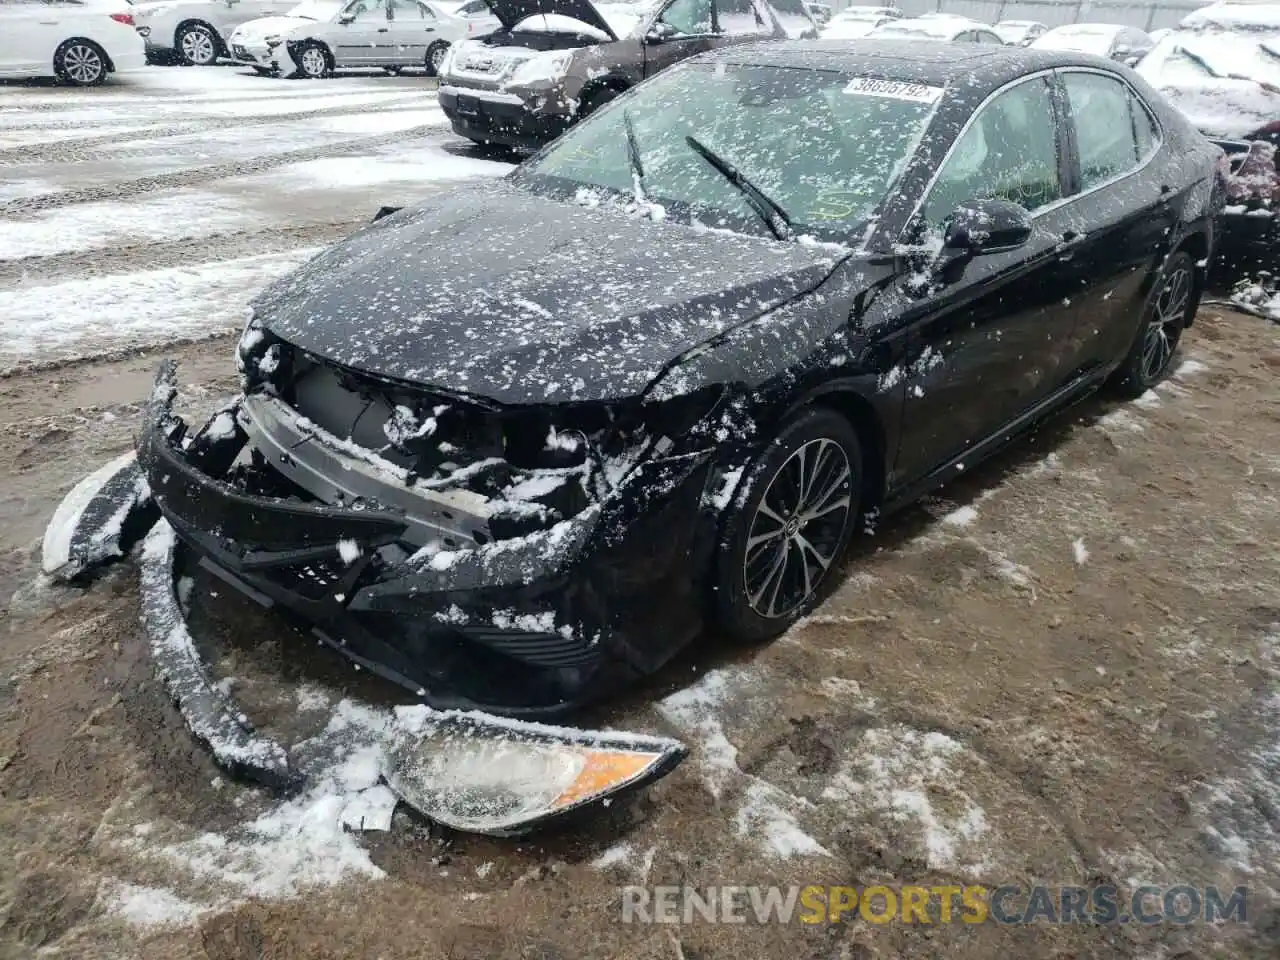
(1106, 136)
(738, 18)
(1008, 152)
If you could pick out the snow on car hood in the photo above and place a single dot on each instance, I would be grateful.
(1095, 39)
(265, 27)
(1227, 85)
(502, 294)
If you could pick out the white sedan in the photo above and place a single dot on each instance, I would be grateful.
(77, 41)
(320, 36)
(195, 31)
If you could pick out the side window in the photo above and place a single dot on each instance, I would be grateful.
(365, 11)
(689, 17)
(408, 10)
(1105, 137)
(983, 37)
(741, 18)
(1009, 152)
(1145, 130)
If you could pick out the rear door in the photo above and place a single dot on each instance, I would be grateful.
(988, 345)
(30, 32)
(1123, 215)
(413, 27)
(682, 29)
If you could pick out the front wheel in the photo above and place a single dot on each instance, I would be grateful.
(1170, 306)
(435, 57)
(198, 45)
(80, 63)
(790, 521)
(314, 61)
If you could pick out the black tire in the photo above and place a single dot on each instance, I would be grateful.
(314, 61)
(264, 71)
(765, 578)
(80, 63)
(197, 45)
(595, 99)
(1170, 307)
(435, 56)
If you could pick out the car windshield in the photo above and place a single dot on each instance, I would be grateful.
(316, 9)
(826, 146)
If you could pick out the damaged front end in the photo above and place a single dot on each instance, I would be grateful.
(483, 557)
(1250, 237)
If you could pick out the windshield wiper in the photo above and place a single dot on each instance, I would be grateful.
(774, 217)
(633, 155)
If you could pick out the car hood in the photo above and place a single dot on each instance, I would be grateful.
(1227, 86)
(496, 292)
(269, 26)
(511, 12)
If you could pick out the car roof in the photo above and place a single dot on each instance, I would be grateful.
(984, 67)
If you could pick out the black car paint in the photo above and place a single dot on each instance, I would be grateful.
(854, 330)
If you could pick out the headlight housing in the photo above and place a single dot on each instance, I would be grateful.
(274, 41)
(483, 774)
(547, 67)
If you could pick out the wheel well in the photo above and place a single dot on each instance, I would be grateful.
(859, 412)
(1197, 246)
(106, 57)
(196, 22)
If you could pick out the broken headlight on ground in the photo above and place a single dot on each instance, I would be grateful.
(472, 773)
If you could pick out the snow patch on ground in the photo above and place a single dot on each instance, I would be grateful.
(99, 314)
(1189, 368)
(910, 775)
(1079, 551)
(961, 517)
(149, 907)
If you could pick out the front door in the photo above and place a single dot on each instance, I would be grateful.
(684, 28)
(986, 344)
(366, 29)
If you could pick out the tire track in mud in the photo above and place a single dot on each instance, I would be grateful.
(78, 150)
(102, 261)
(130, 189)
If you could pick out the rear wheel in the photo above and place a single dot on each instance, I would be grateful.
(1170, 306)
(790, 521)
(314, 61)
(435, 57)
(197, 45)
(80, 63)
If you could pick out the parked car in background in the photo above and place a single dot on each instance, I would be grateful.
(517, 445)
(195, 32)
(540, 72)
(794, 16)
(852, 24)
(1020, 33)
(1127, 45)
(78, 41)
(938, 27)
(320, 36)
(1221, 68)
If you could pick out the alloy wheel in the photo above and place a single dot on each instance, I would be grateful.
(797, 528)
(82, 63)
(198, 47)
(313, 62)
(438, 54)
(1165, 325)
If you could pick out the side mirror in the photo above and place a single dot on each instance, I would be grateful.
(347, 18)
(986, 226)
(660, 32)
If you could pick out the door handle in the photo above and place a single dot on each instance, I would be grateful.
(1071, 239)
(48, 23)
(383, 30)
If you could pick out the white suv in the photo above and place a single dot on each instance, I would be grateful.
(195, 31)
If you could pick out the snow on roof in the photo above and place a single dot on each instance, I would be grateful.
(1234, 16)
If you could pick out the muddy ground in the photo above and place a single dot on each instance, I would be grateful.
(1096, 636)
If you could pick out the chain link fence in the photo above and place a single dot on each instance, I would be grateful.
(1146, 14)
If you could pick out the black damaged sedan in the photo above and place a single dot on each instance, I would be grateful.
(516, 445)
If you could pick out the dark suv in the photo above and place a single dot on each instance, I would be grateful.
(555, 61)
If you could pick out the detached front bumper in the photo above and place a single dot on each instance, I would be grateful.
(491, 116)
(522, 627)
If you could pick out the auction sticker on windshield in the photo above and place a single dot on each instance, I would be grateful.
(895, 89)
